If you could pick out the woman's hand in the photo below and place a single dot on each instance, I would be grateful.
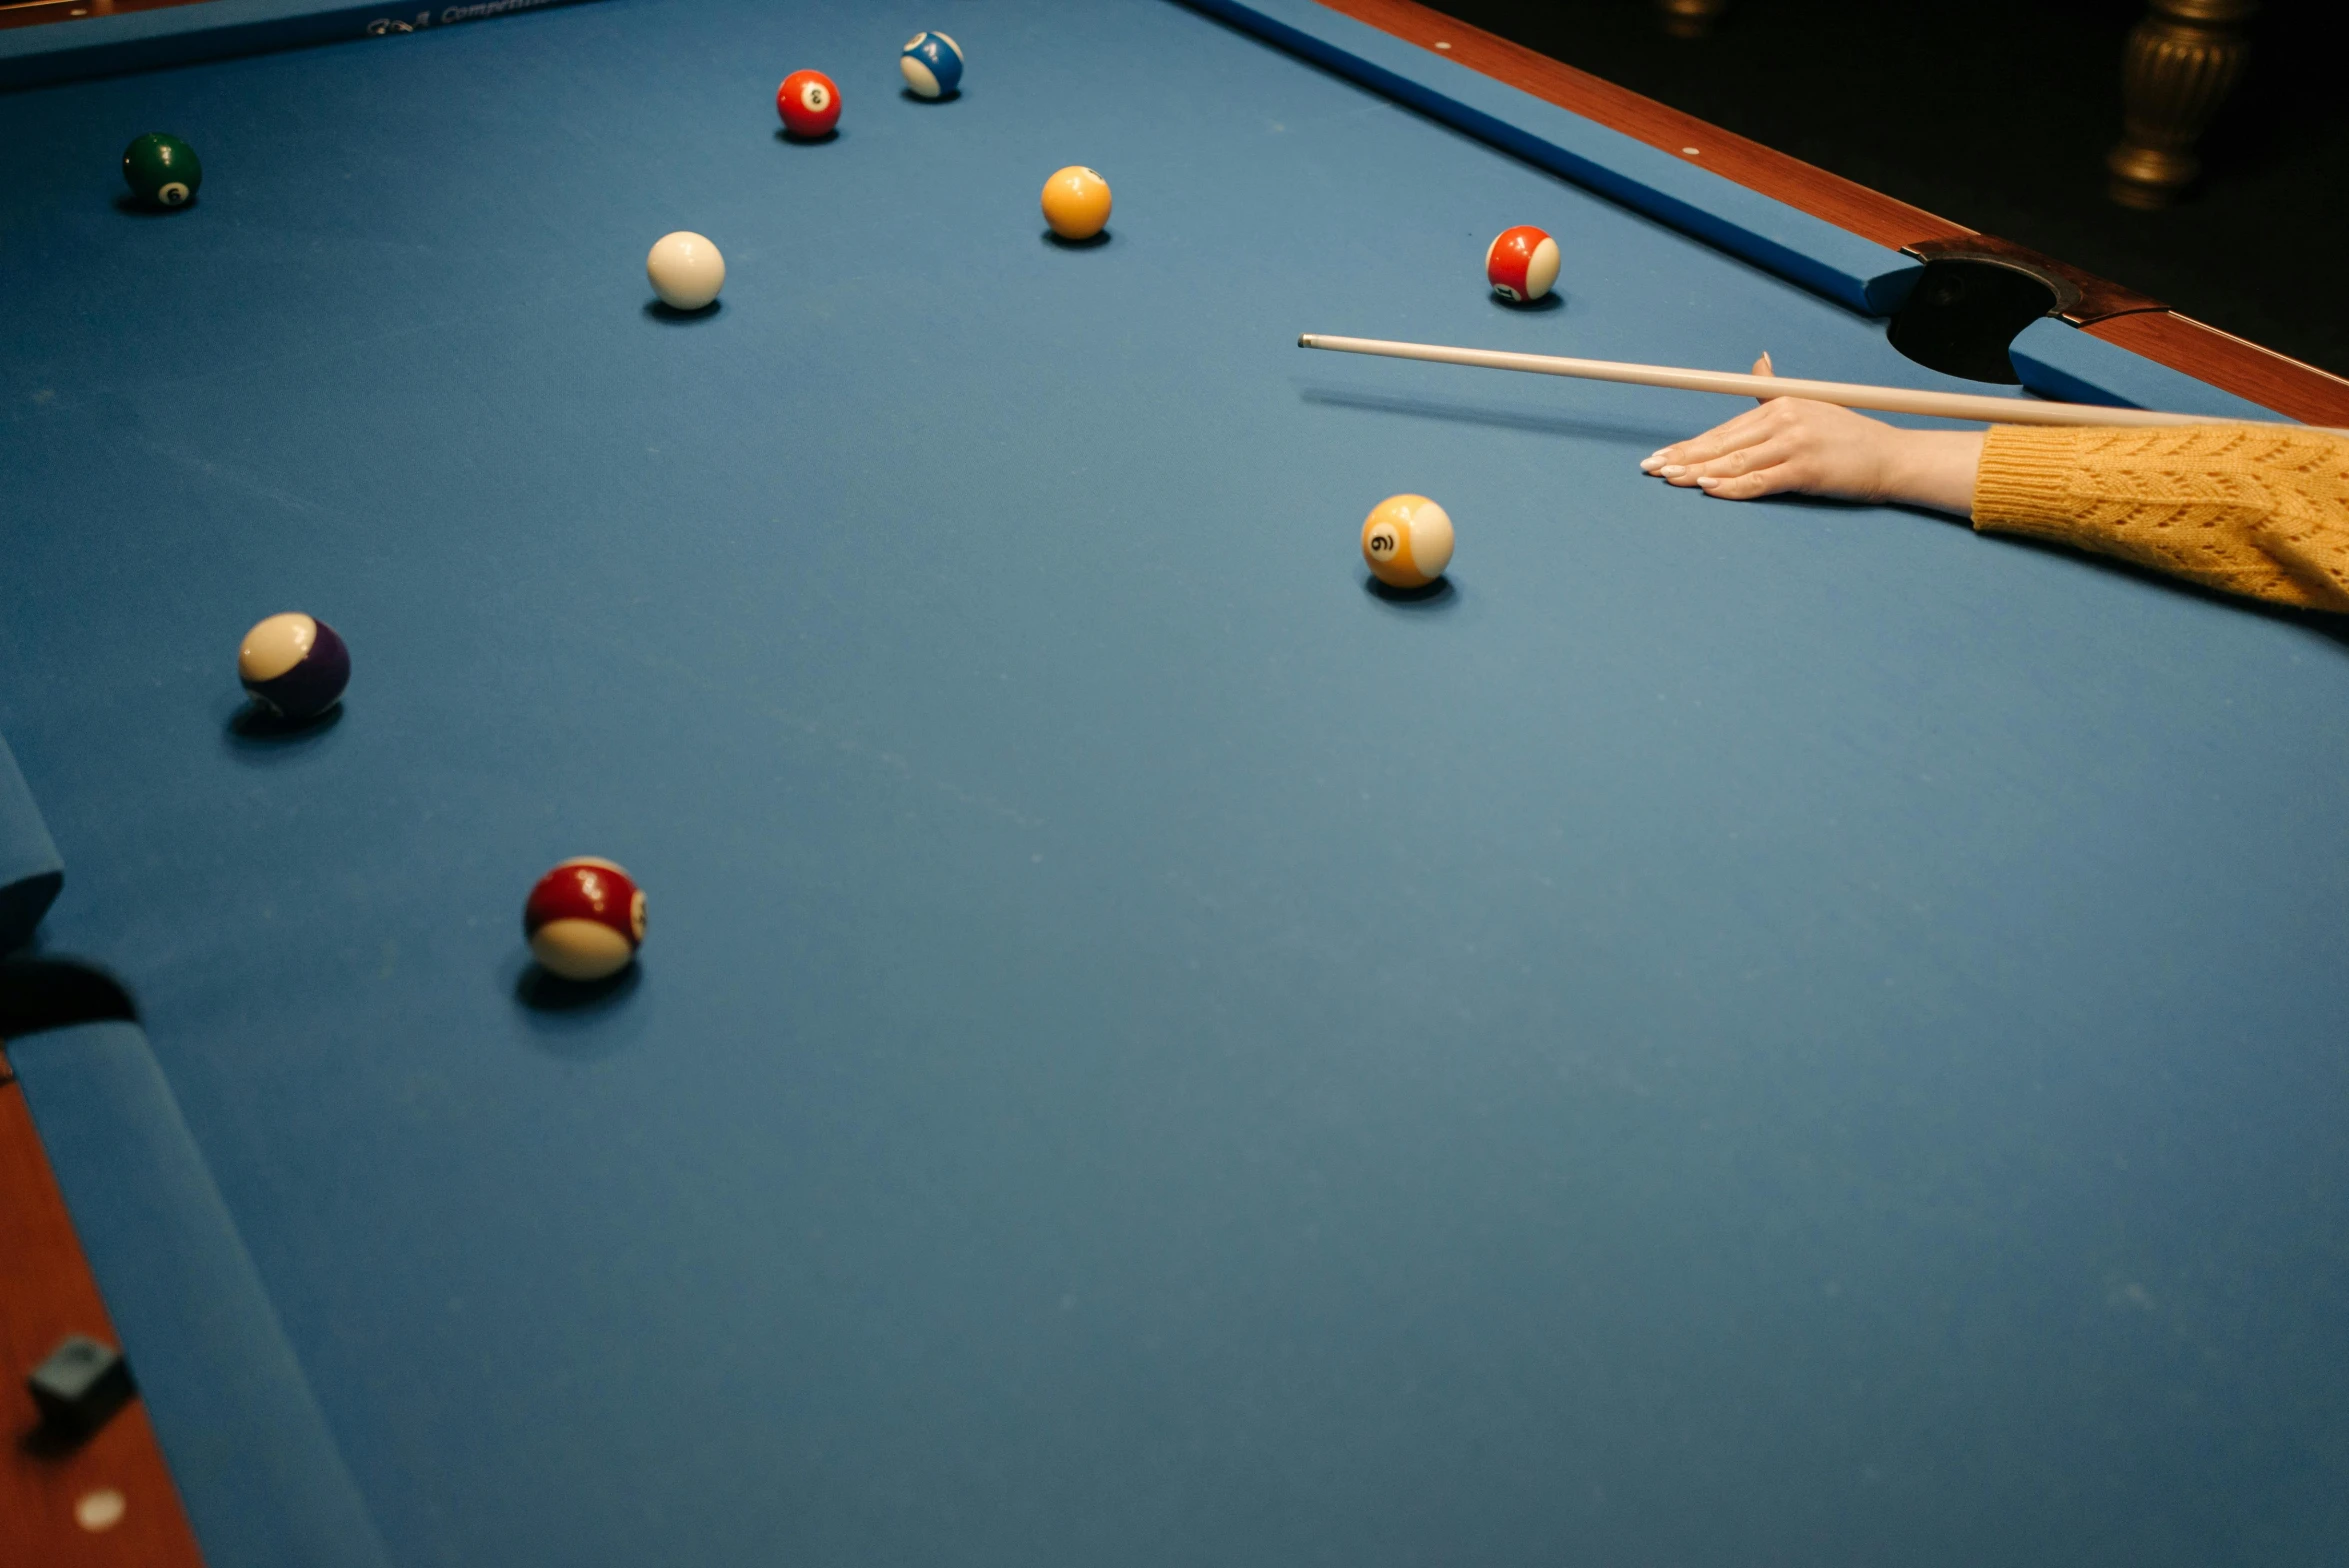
(1794, 444)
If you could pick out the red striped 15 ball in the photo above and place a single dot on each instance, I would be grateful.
(1522, 264)
(585, 919)
(808, 102)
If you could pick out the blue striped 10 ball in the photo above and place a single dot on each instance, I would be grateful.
(932, 64)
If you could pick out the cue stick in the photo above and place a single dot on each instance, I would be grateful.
(1892, 400)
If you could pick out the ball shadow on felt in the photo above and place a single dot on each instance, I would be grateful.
(1425, 598)
(257, 729)
(671, 316)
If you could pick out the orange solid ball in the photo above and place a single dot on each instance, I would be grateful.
(1076, 202)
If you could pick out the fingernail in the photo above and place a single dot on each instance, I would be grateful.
(1708, 481)
(1674, 470)
(1658, 452)
(1647, 465)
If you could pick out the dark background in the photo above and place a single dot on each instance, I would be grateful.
(1998, 114)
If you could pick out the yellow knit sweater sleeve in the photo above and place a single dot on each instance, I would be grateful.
(2249, 509)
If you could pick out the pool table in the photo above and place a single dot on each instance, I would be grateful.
(1722, 1034)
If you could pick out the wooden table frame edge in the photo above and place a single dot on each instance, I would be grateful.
(47, 1292)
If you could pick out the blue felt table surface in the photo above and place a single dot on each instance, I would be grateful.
(1776, 1033)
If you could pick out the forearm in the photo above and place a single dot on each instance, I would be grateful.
(1933, 468)
(2261, 510)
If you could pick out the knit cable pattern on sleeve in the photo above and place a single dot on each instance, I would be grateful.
(2255, 510)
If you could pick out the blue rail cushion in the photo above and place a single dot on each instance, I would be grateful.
(1854, 272)
(262, 1479)
(141, 40)
(2061, 362)
(30, 872)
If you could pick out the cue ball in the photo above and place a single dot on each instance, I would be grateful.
(808, 102)
(1076, 202)
(585, 919)
(294, 665)
(1521, 264)
(686, 270)
(162, 170)
(931, 64)
(1407, 541)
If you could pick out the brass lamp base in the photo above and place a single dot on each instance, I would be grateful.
(1690, 18)
(2182, 61)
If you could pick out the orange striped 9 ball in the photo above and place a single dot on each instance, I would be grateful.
(1407, 541)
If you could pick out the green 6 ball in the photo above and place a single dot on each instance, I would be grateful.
(163, 171)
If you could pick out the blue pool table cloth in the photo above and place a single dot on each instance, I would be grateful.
(1785, 1033)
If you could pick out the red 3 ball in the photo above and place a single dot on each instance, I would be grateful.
(808, 102)
(585, 919)
(1522, 264)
